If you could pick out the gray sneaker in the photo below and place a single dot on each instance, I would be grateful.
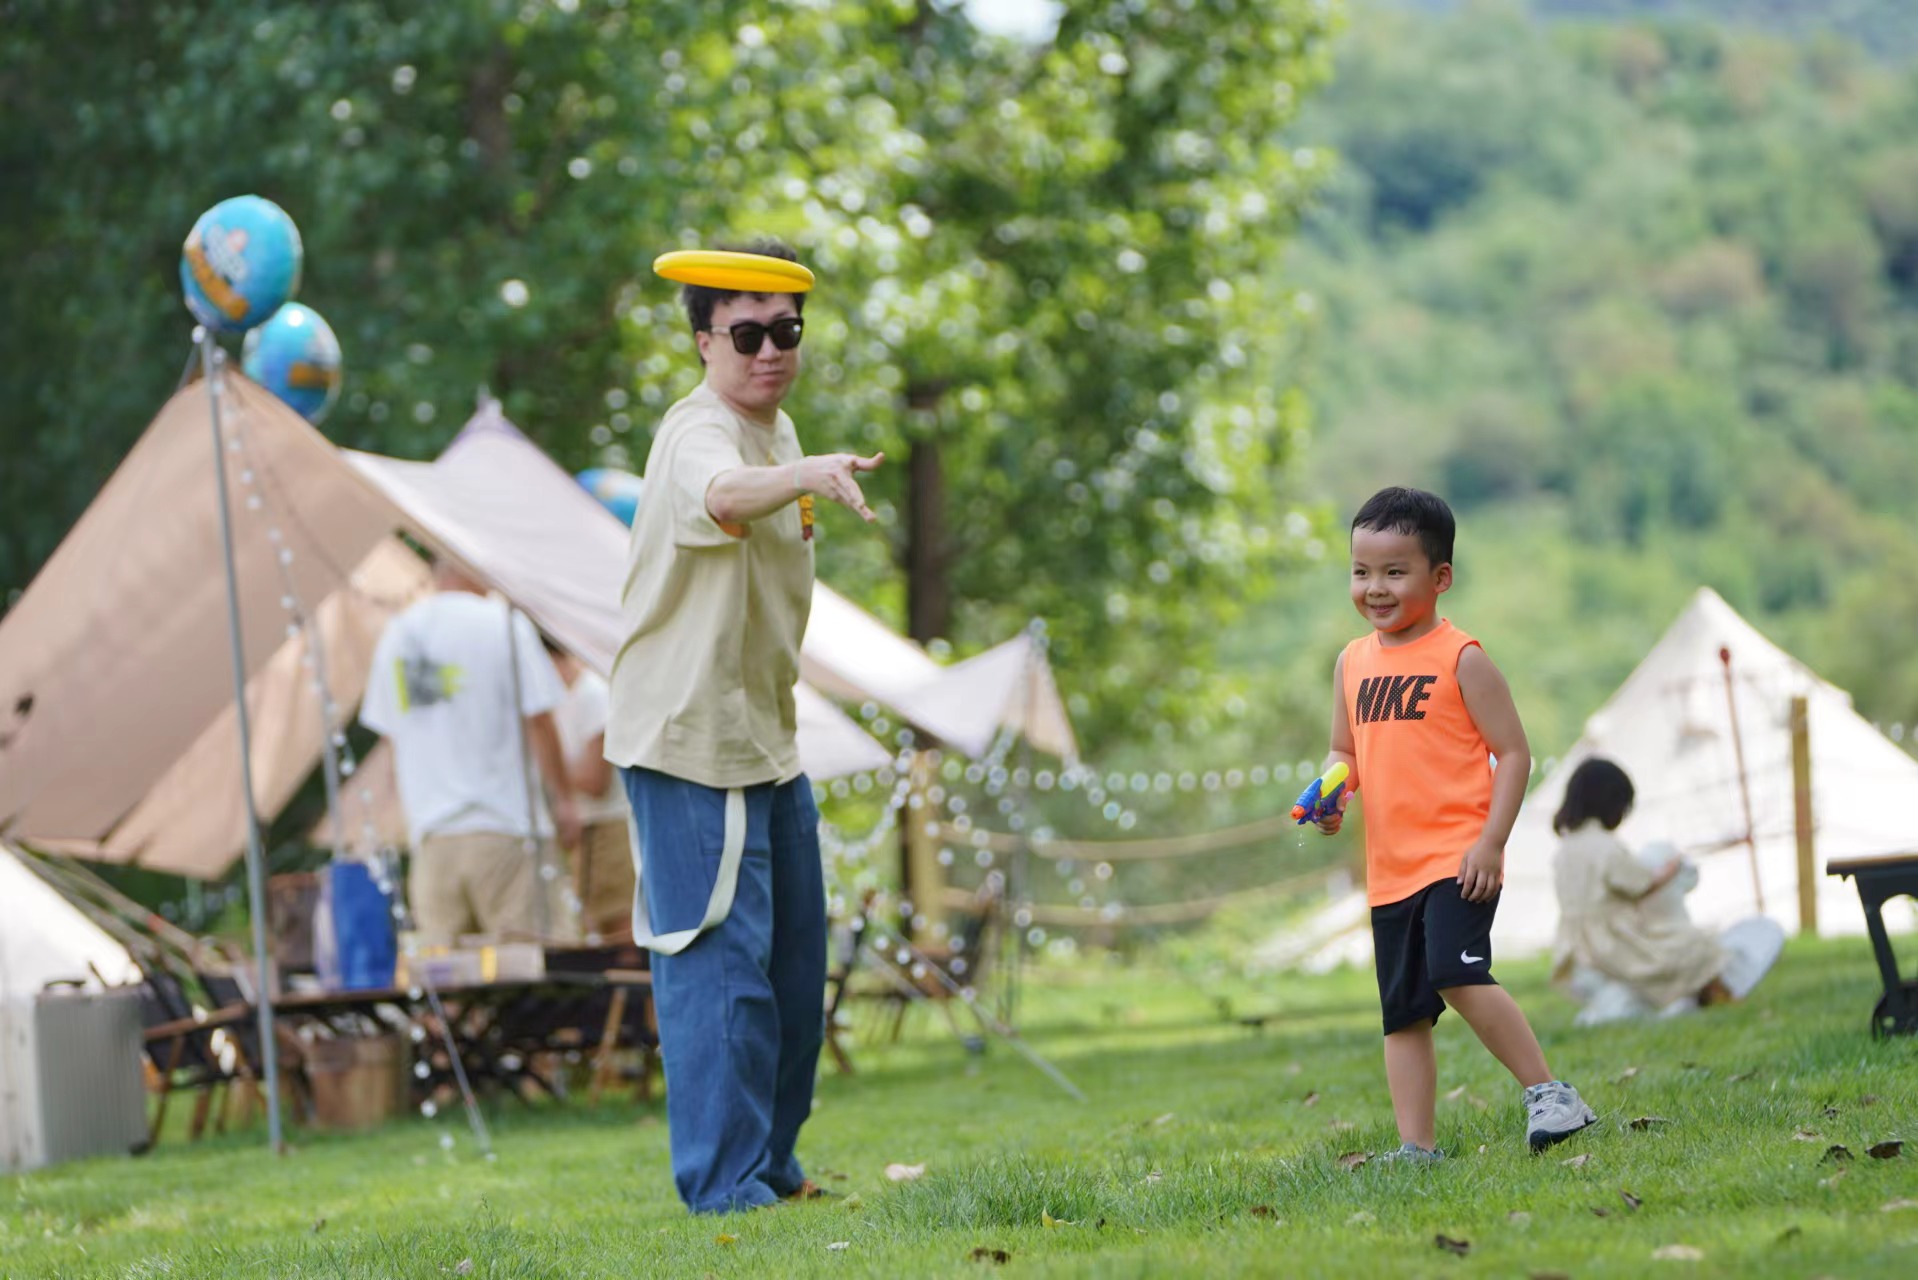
(1412, 1153)
(1553, 1113)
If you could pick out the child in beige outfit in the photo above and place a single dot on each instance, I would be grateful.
(1612, 919)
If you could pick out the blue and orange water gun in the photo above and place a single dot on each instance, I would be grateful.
(1321, 800)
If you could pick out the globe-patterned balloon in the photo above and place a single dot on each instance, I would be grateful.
(296, 357)
(617, 491)
(240, 263)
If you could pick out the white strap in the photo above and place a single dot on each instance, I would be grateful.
(721, 903)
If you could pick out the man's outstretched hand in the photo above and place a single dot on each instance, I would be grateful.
(831, 475)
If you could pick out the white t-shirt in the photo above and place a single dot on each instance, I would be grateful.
(441, 689)
(703, 686)
(580, 717)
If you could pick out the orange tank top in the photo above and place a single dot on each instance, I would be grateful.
(1423, 766)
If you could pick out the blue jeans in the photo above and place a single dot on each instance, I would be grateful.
(742, 1010)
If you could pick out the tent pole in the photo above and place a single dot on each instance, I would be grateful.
(329, 753)
(1744, 782)
(1802, 815)
(211, 359)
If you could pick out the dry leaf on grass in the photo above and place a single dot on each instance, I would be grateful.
(998, 1257)
(1868, 1100)
(1262, 1211)
(1678, 1253)
(1625, 1075)
(1048, 1220)
(1836, 1153)
(1885, 1150)
(1601, 1212)
(1646, 1122)
(1576, 1162)
(1311, 1099)
(1353, 1159)
(1808, 1135)
(725, 1239)
(905, 1172)
(1164, 1119)
(1460, 1247)
(1455, 1094)
(464, 1267)
(1741, 1076)
(1631, 1201)
(837, 1245)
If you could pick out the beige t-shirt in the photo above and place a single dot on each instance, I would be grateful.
(702, 688)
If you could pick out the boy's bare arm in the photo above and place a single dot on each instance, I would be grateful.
(1488, 700)
(1344, 751)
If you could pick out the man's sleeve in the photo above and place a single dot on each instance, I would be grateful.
(1625, 874)
(380, 704)
(704, 453)
(539, 684)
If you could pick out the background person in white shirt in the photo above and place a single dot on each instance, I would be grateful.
(442, 688)
(719, 583)
(603, 859)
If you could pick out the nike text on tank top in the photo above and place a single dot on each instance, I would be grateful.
(1424, 770)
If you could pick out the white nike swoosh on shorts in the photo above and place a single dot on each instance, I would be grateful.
(1469, 958)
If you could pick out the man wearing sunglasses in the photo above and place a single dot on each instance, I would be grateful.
(731, 899)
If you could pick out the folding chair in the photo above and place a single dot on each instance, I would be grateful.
(181, 1047)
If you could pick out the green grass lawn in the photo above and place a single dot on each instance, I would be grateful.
(1206, 1149)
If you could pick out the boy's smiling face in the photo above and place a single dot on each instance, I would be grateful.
(1395, 585)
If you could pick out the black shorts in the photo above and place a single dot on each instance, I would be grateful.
(1425, 944)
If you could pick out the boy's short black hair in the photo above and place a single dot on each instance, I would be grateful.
(699, 299)
(1414, 511)
(1597, 789)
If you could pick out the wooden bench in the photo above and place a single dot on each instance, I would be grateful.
(1879, 880)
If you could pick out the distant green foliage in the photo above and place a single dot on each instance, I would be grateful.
(1643, 301)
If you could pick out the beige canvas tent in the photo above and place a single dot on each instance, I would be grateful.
(117, 730)
(1670, 726)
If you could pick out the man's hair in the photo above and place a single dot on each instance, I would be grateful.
(1412, 511)
(1597, 789)
(700, 299)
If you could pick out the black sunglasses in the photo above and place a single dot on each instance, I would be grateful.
(749, 335)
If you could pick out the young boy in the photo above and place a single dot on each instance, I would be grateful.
(1419, 715)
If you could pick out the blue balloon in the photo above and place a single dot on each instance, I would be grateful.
(240, 263)
(296, 357)
(618, 491)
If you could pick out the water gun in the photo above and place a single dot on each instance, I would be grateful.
(1321, 800)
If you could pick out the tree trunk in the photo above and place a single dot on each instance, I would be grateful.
(928, 591)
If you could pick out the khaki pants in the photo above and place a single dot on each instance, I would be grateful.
(474, 882)
(604, 870)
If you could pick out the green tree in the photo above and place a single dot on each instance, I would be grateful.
(1044, 294)
(1045, 266)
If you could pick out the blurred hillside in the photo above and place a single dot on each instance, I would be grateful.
(1885, 28)
(1642, 300)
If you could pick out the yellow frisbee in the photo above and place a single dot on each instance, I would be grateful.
(724, 269)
